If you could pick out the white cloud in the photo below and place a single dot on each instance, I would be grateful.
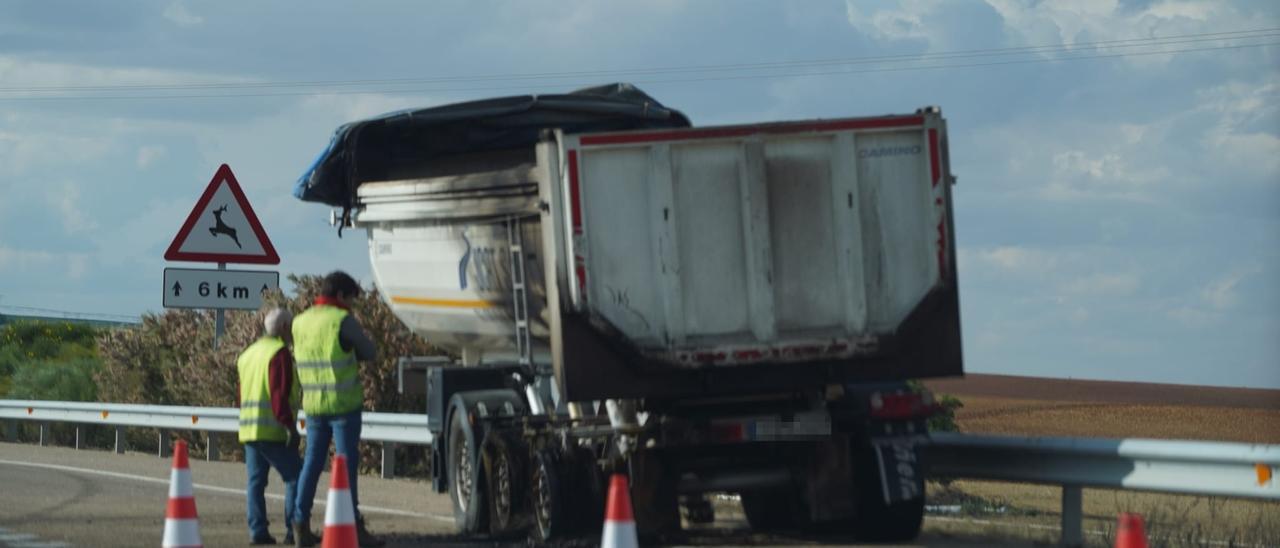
(1248, 119)
(1220, 294)
(25, 152)
(1193, 317)
(140, 238)
(1010, 259)
(1082, 175)
(73, 265)
(178, 13)
(148, 154)
(66, 201)
(1073, 21)
(12, 259)
(1106, 284)
(891, 20)
(17, 71)
(1212, 303)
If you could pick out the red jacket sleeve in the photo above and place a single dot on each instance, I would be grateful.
(281, 380)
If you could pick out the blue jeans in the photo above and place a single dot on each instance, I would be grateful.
(344, 430)
(260, 457)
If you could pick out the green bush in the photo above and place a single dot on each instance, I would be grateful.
(70, 380)
(945, 419)
(48, 360)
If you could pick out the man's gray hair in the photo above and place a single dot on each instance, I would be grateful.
(277, 322)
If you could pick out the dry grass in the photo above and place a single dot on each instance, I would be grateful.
(1033, 513)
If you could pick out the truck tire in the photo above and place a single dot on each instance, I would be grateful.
(505, 466)
(587, 499)
(550, 515)
(773, 510)
(465, 474)
(654, 498)
(876, 521)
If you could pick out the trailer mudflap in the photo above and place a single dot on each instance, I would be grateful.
(901, 477)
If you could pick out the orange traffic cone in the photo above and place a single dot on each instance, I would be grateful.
(339, 515)
(181, 526)
(1130, 532)
(619, 523)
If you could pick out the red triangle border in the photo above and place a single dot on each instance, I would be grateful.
(224, 173)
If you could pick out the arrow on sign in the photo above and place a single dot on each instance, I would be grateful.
(177, 289)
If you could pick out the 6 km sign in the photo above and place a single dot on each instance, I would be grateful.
(194, 288)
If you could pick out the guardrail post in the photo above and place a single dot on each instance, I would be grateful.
(119, 440)
(11, 431)
(163, 450)
(77, 436)
(388, 460)
(211, 449)
(1072, 516)
(44, 434)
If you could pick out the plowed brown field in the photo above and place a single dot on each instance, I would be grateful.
(998, 404)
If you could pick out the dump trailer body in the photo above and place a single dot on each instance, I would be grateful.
(754, 258)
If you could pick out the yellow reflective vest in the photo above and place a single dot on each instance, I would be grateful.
(257, 421)
(330, 376)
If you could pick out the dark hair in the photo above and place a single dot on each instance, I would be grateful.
(339, 282)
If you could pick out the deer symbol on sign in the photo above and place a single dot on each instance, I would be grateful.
(221, 227)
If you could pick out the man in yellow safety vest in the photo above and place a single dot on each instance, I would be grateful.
(328, 344)
(268, 398)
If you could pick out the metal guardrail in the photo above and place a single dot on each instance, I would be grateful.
(1169, 466)
(387, 428)
(1187, 467)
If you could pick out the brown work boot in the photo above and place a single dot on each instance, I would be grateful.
(302, 535)
(364, 537)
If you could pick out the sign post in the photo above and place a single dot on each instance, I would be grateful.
(219, 317)
(222, 228)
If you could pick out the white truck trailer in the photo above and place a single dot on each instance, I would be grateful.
(709, 309)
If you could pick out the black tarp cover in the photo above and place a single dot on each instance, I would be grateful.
(392, 144)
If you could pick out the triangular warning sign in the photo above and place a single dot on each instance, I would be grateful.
(222, 228)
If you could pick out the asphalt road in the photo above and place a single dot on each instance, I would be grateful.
(60, 497)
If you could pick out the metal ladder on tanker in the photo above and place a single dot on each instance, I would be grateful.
(519, 292)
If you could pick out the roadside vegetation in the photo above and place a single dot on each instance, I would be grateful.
(42, 360)
(48, 361)
(169, 359)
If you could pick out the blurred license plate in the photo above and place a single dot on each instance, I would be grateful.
(900, 475)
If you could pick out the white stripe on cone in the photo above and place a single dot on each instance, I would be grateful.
(339, 511)
(180, 483)
(619, 534)
(181, 532)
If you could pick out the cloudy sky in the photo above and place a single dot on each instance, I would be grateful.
(1118, 206)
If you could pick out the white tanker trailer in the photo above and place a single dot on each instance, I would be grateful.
(709, 309)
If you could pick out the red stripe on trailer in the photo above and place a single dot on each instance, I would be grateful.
(181, 508)
(740, 131)
(575, 205)
(942, 246)
(581, 271)
(934, 167)
(729, 432)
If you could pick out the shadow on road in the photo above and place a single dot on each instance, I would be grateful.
(702, 537)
